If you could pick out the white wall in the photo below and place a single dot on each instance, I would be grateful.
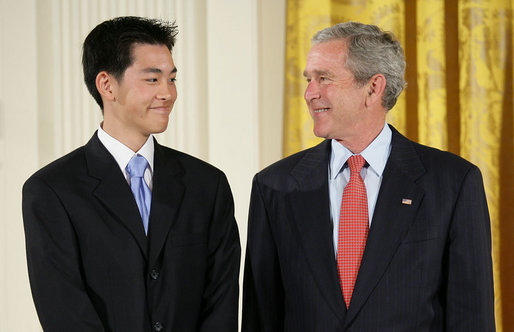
(229, 112)
(271, 59)
(18, 156)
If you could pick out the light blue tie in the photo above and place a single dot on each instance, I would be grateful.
(136, 170)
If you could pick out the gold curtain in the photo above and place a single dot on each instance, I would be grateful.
(459, 97)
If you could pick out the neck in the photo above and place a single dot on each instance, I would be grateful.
(131, 139)
(360, 141)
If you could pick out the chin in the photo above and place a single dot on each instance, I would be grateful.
(319, 132)
(159, 129)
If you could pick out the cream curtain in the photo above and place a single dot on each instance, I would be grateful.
(459, 97)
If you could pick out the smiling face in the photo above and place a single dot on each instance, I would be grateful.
(139, 103)
(336, 102)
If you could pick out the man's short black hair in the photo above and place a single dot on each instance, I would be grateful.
(108, 47)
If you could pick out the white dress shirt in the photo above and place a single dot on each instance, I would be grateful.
(376, 155)
(122, 154)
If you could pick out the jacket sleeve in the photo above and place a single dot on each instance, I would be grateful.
(60, 296)
(470, 293)
(263, 294)
(221, 295)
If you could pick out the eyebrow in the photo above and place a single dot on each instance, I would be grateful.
(157, 70)
(318, 73)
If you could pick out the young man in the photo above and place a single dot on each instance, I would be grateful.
(124, 234)
(367, 231)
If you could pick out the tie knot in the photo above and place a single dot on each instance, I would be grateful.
(137, 166)
(355, 163)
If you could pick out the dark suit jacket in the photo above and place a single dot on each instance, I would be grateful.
(426, 266)
(92, 268)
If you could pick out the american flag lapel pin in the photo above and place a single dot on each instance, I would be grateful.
(406, 201)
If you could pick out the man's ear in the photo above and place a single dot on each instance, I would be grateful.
(106, 85)
(375, 89)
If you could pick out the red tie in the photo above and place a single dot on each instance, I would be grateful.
(353, 228)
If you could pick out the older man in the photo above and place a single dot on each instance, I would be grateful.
(368, 231)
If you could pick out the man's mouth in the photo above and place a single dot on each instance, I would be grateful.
(320, 110)
(163, 108)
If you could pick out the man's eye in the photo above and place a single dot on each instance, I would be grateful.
(151, 80)
(173, 80)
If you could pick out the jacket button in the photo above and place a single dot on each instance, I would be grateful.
(154, 274)
(157, 326)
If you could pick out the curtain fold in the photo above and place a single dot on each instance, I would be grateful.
(459, 96)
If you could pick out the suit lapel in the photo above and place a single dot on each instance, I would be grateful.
(113, 190)
(167, 196)
(311, 216)
(391, 219)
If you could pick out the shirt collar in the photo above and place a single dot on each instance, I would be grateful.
(122, 153)
(376, 153)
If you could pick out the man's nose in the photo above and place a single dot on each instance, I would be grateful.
(166, 91)
(312, 91)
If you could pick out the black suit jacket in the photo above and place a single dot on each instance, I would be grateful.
(92, 268)
(426, 266)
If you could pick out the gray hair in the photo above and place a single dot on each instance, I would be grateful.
(370, 51)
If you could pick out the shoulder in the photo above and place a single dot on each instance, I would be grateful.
(283, 172)
(448, 172)
(431, 158)
(62, 169)
(438, 172)
(188, 164)
(442, 161)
